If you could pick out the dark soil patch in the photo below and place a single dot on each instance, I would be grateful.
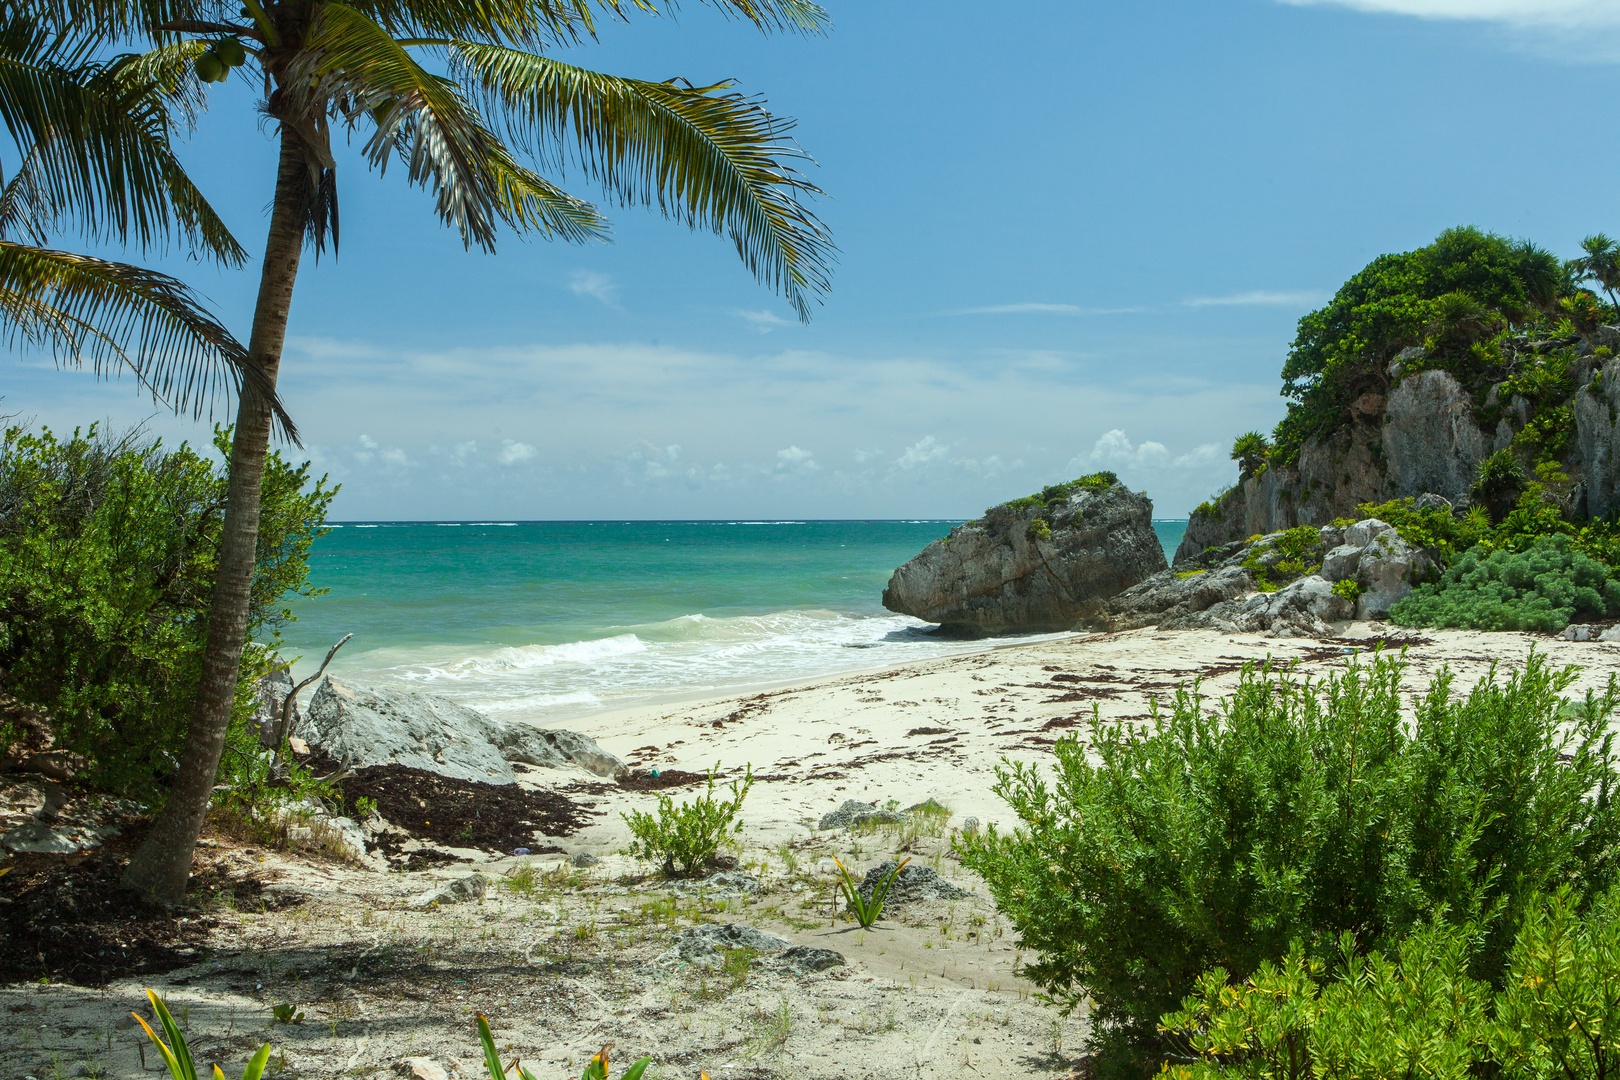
(68, 918)
(463, 813)
(644, 780)
(928, 731)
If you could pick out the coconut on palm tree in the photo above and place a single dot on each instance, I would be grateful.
(93, 153)
(458, 91)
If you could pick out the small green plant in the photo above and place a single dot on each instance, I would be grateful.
(1039, 530)
(522, 880)
(595, 1069)
(287, 1014)
(866, 910)
(177, 1055)
(687, 838)
(1500, 479)
(1349, 588)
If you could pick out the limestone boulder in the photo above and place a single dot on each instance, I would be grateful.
(1303, 608)
(364, 726)
(1389, 569)
(1342, 562)
(1032, 566)
(1169, 595)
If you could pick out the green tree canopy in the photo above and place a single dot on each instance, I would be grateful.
(1447, 296)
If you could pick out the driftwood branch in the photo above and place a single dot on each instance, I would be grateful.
(283, 725)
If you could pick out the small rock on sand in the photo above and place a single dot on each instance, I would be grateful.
(700, 945)
(459, 891)
(805, 959)
(420, 1068)
(723, 885)
(912, 884)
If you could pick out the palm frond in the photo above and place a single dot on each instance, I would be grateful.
(113, 314)
(101, 130)
(425, 119)
(23, 206)
(706, 156)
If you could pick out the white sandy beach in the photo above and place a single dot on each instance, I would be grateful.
(932, 991)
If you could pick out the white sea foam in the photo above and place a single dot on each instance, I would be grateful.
(692, 654)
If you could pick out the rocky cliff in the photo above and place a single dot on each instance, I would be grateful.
(1038, 564)
(1428, 434)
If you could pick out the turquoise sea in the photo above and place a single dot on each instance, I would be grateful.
(550, 620)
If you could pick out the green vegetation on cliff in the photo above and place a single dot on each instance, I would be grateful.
(1456, 299)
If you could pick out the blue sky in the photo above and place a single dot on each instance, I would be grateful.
(1073, 235)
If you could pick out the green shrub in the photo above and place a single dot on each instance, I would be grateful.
(1349, 588)
(107, 560)
(1419, 1013)
(1056, 493)
(1286, 556)
(687, 838)
(1543, 587)
(1435, 527)
(1293, 810)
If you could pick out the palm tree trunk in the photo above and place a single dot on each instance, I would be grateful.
(162, 866)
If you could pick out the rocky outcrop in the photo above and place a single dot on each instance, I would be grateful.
(1032, 565)
(370, 726)
(1597, 437)
(1169, 595)
(1219, 592)
(1429, 433)
(1303, 608)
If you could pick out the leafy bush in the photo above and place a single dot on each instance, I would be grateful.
(1434, 527)
(1294, 810)
(1543, 587)
(107, 561)
(1419, 1013)
(687, 838)
(1291, 554)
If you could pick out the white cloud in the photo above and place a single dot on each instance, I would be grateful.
(513, 452)
(1300, 298)
(920, 453)
(1566, 29)
(793, 459)
(595, 285)
(1113, 449)
(764, 321)
(862, 456)
(372, 452)
(1559, 14)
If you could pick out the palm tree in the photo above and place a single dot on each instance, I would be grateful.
(1601, 263)
(92, 139)
(705, 155)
